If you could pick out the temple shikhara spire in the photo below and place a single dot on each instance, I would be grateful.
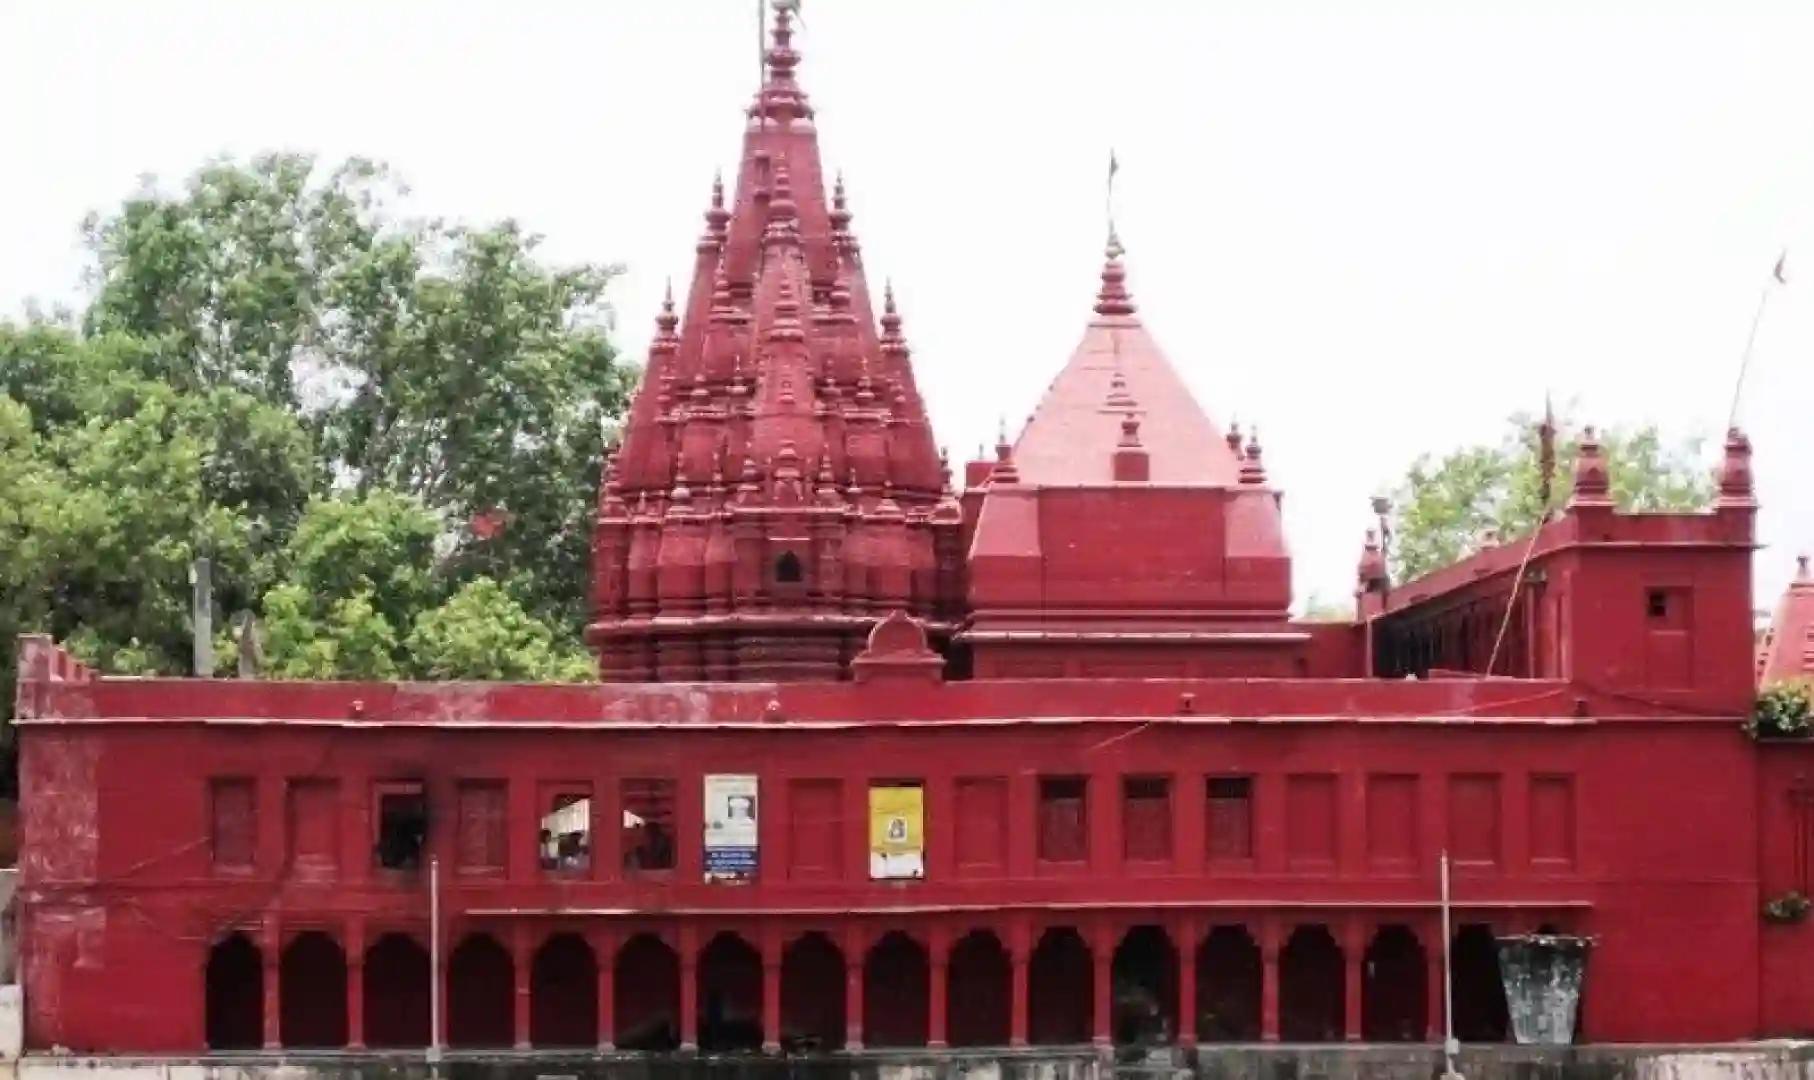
(777, 490)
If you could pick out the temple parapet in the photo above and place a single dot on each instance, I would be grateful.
(1652, 603)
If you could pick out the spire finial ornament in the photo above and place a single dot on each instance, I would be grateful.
(1252, 471)
(1113, 297)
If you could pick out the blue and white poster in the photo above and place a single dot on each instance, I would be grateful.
(730, 827)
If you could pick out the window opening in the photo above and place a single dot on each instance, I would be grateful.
(1230, 817)
(648, 825)
(234, 827)
(1063, 819)
(565, 836)
(787, 568)
(402, 825)
(1146, 816)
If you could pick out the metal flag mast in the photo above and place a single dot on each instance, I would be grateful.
(1778, 276)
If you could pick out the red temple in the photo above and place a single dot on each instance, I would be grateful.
(877, 765)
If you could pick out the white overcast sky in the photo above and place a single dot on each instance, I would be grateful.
(1373, 229)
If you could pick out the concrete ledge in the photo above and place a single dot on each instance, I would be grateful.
(1746, 1061)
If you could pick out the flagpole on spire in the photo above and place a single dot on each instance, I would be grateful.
(1778, 276)
(1108, 205)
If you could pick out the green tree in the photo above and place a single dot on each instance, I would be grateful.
(483, 633)
(279, 372)
(1445, 507)
(434, 360)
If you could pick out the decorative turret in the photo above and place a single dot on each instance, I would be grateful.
(1593, 483)
(1735, 486)
(724, 547)
(1372, 574)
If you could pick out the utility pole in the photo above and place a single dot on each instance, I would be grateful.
(434, 965)
(201, 616)
(1450, 1045)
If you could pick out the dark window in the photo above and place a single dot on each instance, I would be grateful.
(1063, 819)
(1146, 818)
(648, 825)
(1656, 603)
(787, 568)
(564, 835)
(1230, 826)
(402, 825)
(234, 822)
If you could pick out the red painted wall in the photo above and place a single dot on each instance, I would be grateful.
(122, 898)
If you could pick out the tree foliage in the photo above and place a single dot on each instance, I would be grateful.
(1446, 507)
(279, 372)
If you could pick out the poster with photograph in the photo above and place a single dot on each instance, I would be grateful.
(897, 846)
(730, 827)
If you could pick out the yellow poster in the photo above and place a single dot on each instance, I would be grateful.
(897, 820)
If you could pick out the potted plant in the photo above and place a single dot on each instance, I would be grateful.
(1783, 710)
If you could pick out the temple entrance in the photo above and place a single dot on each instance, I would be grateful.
(1312, 995)
(896, 992)
(730, 995)
(1059, 982)
(311, 982)
(979, 991)
(1480, 1009)
(646, 979)
(234, 1007)
(812, 995)
(563, 993)
(481, 983)
(1394, 987)
(396, 993)
(1228, 986)
(1145, 981)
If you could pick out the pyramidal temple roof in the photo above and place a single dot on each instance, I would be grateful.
(1788, 645)
(1118, 371)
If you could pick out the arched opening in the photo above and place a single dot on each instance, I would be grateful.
(396, 993)
(563, 993)
(812, 995)
(1145, 982)
(979, 991)
(730, 995)
(1059, 983)
(235, 994)
(1394, 987)
(896, 992)
(1480, 1010)
(1311, 991)
(311, 982)
(646, 980)
(1228, 986)
(787, 569)
(481, 987)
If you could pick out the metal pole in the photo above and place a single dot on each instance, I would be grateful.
(434, 961)
(1450, 1047)
(1744, 360)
